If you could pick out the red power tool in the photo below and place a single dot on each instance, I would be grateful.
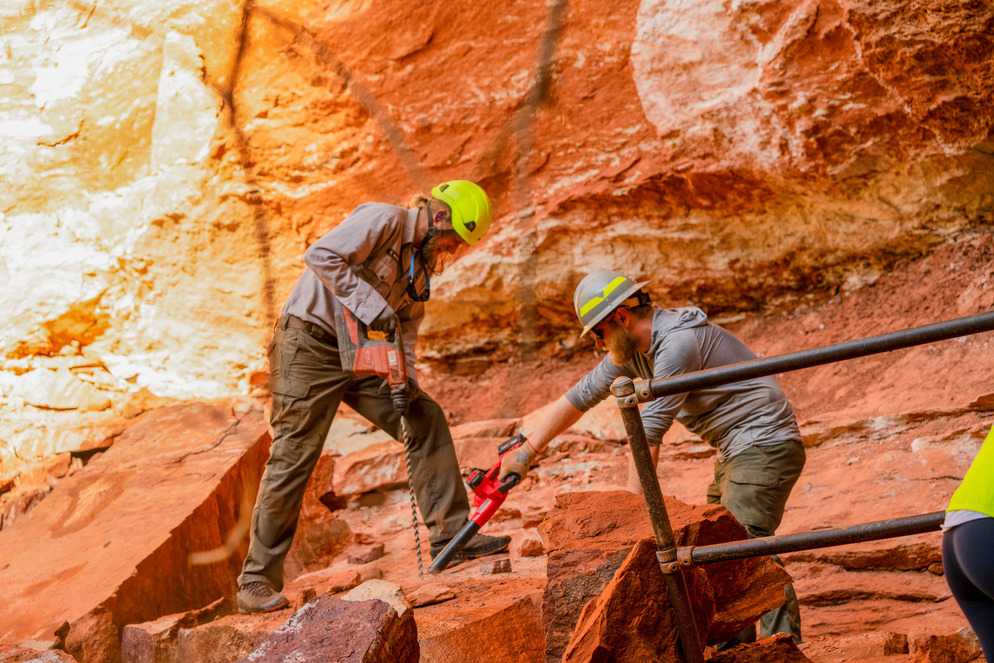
(488, 495)
(368, 352)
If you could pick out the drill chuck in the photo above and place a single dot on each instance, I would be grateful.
(400, 399)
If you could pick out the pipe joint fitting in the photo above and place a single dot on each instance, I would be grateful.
(643, 390)
(675, 559)
(627, 401)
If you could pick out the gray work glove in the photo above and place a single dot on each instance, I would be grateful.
(386, 321)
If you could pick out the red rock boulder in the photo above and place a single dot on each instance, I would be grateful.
(155, 641)
(962, 646)
(632, 619)
(778, 649)
(119, 540)
(332, 629)
(486, 619)
(228, 638)
(590, 534)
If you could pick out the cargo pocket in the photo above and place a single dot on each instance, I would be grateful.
(290, 408)
(764, 478)
(289, 395)
(756, 498)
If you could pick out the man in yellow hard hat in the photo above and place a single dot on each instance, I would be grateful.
(377, 264)
(750, 423)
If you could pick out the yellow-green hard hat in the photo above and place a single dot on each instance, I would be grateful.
(470, 208)
(599, 293)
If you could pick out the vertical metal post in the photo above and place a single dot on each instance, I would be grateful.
(676, 584)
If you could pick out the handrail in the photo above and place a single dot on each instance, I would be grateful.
(647, 390)
(821, 538)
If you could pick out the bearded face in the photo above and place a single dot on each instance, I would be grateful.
(622, 345)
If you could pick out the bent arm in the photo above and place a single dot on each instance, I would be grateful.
(332, 257)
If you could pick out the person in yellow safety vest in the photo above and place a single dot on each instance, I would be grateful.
(968, 534)
(751, 423)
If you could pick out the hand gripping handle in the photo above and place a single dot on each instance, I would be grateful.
(508, 482)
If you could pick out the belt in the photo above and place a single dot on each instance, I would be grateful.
(293, 322)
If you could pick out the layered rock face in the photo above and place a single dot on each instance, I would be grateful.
(165, 165)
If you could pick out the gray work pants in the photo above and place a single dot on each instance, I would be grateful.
(754, 485)
(308, 384)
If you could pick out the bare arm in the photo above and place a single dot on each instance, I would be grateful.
(634, 485)
(562, 416)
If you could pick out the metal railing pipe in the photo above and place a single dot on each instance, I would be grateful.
(676, 584)
(770, 545)
(647, 390)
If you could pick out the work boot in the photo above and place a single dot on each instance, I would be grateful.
(259, 597)
(479, 546)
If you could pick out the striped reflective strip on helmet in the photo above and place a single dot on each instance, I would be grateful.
(608, 289)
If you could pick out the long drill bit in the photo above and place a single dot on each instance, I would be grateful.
(405, 431)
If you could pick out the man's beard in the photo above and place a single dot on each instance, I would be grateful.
(623, 346)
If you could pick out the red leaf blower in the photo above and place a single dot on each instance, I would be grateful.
(488, 496)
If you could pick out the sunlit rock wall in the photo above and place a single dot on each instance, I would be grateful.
(164, 165)
(126, 262)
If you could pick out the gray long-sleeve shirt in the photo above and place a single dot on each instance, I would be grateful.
(730, 417)
(364, 263)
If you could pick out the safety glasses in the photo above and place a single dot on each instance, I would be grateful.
(597, 333)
